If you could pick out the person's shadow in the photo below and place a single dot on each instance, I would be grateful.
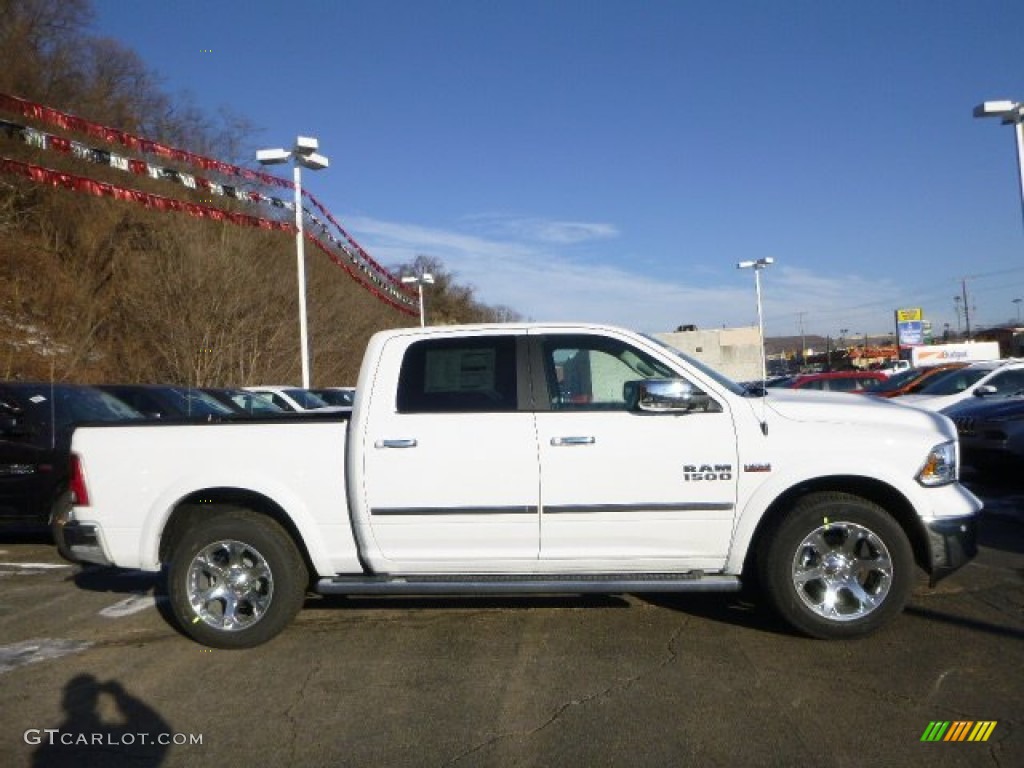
(86, 738)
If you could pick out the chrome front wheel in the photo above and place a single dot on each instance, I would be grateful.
(842, 571)
(836, 565)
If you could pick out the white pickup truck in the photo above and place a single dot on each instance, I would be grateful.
(529, 459)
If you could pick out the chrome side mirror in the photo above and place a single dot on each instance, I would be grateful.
(667, 396)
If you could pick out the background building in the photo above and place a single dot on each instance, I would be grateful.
(732, 351)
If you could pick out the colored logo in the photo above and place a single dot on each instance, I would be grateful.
(959, 730)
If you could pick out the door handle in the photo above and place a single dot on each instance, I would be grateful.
(573, 440)
(402, 442)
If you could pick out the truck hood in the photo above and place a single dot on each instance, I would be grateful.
(846, 408)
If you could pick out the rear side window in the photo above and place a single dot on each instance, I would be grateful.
(850, 384)
(467, 375)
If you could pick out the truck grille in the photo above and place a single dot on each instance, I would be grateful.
(964, 425)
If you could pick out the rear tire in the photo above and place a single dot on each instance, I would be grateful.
(836, 566)
(235, 580)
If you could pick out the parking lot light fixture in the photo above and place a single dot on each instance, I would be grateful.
(304, 155)
(757, 265)
(424, 279)
(1011, 113)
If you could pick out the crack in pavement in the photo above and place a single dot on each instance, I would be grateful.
(670, 656)
(293, 722)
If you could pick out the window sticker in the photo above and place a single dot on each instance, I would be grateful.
(460, 370)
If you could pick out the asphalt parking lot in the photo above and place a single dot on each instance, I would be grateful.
(91, 673)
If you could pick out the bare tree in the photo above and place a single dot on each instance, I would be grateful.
(451, 302)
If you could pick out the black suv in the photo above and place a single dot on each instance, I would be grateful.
(36, 421)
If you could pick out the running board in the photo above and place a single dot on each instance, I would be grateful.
(520, 583)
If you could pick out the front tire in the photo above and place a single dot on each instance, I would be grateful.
(837, 566)
(235, 580)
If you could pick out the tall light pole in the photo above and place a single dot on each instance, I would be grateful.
(757, 265)
(1017, 302)
(1011, 113)
(304, 154)
(424, 279)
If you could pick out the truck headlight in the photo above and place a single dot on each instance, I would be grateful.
(940, 465)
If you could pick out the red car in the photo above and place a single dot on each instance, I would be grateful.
(840, 381)
(911, 380)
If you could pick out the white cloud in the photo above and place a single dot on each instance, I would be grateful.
(528, 274)
(829, 302)
(540, 230)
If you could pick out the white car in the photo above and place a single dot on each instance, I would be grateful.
(990, 378)
(295, 399)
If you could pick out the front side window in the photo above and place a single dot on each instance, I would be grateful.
(1009, 382)
(954, 382)
(591, 372)
(465, 375)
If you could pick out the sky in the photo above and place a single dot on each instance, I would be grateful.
(612, 161)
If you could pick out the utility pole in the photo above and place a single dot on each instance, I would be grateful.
(967, 311)
(803, 341)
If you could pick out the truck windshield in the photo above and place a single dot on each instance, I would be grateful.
(711, 373)
(193, 402)
(306, 399)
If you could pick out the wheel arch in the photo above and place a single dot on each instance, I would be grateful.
(208, 501)
(884, 495)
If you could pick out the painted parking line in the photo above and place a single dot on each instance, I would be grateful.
(130, 605)
(36, 566)
(33, 651)
(29, 569)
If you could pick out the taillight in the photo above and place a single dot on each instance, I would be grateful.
(79, 493)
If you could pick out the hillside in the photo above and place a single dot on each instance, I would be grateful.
(110, 283)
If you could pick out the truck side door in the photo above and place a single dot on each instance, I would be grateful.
(620, 485)
(450, 453)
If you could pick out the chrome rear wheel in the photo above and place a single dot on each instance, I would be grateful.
(230, 585)
(235, 578)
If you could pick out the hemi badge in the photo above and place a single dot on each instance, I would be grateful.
(757, 467)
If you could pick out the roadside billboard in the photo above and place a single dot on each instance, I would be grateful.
(910, 327)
